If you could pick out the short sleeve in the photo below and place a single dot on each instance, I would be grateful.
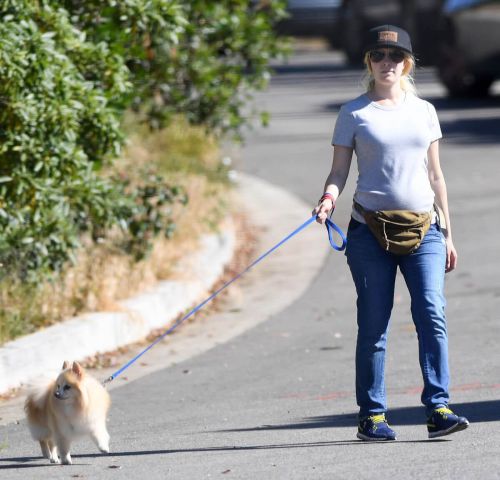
(435, 128)
(343, 133)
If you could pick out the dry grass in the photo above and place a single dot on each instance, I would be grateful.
(103, 274)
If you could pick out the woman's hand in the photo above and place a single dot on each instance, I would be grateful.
(451, 255)
(322, 210)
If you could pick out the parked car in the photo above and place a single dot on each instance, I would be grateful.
(470, 46)
(421, 18)
(312, 18)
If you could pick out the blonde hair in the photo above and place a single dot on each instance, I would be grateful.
(407, 83)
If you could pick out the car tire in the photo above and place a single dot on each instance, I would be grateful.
(458, 78)
(454, 71)
(352, 34)
(468, 85)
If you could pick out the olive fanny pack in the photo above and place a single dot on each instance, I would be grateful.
(397, 231)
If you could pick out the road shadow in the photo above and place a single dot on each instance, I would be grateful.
(24, 462)
(472, 131)
(444, 103)
(449, 103)
(480, 128)
(476, 412)
(17, 466)
(312, 68)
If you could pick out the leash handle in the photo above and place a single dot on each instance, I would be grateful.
(333, 226)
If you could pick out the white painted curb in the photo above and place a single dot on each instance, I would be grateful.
(42, 353)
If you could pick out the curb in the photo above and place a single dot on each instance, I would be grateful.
(42, 352)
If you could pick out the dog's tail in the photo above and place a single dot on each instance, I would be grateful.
(37, 397)
(36, 409)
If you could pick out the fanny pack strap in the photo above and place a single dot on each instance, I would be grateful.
(439, 213)
(440, 218)
(359, 208)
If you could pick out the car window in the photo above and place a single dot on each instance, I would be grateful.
(452, 5)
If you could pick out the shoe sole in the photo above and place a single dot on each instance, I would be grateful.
(372, 439)
(458, 427)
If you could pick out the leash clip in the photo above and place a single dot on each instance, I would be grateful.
(108, 380)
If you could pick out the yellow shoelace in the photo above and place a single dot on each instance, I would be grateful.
(444, 411)
(378, 418)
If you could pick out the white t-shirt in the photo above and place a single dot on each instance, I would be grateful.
(391, 144)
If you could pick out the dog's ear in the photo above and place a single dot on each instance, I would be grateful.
(77, 369)
(65, 365)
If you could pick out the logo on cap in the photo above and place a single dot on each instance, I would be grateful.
(388, 36)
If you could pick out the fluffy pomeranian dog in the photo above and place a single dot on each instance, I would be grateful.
(73, 405)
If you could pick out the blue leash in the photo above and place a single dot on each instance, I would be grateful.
(330, 225)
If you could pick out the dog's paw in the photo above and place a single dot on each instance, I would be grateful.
(67, 460)
(103, 443)
(54, 460)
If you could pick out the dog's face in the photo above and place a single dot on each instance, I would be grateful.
(68, 382)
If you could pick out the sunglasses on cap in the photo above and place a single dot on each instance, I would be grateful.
(396, 56)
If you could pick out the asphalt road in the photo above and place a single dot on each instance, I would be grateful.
(278, 402)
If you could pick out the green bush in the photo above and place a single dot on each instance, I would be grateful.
(223, 55)
(68, 71)
(56, 130)
(150, 215)
(62, 99)
(200, 58)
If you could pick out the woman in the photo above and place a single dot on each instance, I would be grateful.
(395, 136)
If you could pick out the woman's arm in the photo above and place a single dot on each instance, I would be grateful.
(438, 185)
(335, 181)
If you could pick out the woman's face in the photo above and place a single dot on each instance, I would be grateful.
(387, 65)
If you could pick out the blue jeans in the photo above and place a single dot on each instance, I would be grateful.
(374, 273)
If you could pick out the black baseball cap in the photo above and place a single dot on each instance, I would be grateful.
(386, 36)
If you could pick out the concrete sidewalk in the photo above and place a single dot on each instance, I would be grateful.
(273, 212)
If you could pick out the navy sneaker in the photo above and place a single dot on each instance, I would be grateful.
(443, 422)
(375, 428)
